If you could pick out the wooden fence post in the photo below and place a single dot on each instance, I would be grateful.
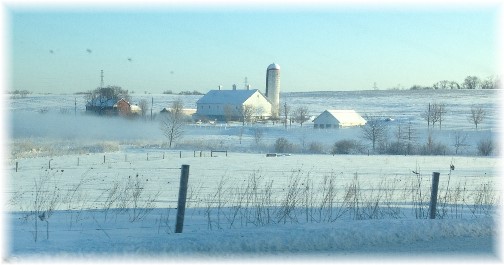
(434, 192)
(180, 154)
(16, 166)
(78, 161)
(103, 159)
(184, 179)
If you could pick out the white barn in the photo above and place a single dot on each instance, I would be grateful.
(228, 104)
(338, 119)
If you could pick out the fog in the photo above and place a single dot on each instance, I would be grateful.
(26, 124)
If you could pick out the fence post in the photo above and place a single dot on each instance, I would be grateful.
(180, 154)
(184, 178)
(434, 192)
(16, 166)
(103, 159)
(50, 163)
(147, 156)
(78, 161)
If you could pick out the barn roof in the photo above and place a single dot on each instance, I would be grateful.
(345, 116)
(231, 97)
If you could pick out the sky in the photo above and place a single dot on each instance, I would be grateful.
(320, 47)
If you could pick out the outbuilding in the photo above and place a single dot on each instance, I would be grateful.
(337, 119)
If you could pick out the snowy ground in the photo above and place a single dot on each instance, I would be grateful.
(82, 179)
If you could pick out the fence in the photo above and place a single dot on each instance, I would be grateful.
(226, 193)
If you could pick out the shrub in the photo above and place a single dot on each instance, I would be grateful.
(485, 147)
(344, 147)
(433, 148)
(283, 145)
(316, 148)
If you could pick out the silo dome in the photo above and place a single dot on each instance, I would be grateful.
(273, 66)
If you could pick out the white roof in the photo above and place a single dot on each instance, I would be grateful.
(345, 117)
(274, 66)
(231, 97)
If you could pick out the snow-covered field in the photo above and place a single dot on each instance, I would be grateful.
(85, 187)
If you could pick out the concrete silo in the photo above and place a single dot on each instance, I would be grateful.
(273, 88)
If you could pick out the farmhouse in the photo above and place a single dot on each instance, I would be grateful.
(338, 119)
(109, 106)
(231, 105)
(125, 108)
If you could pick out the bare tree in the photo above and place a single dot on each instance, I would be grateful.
(471, 82)
(301, 115)
(172, 123)
(434, 113)
(489, 83)
(428, 115)
(375, 130)
(459, 141)
(258, 135)
(477, 115)
(144, 105)
(108, 93)
(247, 113)
(440, 111)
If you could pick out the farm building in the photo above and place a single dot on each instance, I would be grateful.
(125, 108)
(187, 113)
(338, 119)
(231, 105)
(108, 106)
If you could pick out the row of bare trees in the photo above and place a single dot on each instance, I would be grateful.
(435, 113)
(470, 82)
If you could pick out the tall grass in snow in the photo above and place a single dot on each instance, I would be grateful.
(257, 200)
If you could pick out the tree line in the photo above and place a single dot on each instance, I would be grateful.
(470, 82)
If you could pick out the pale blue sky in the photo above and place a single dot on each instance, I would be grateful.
(199, 49)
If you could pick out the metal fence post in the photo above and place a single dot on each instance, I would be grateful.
(184, 178)
(434, 192)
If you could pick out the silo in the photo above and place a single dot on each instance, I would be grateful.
(273, 88)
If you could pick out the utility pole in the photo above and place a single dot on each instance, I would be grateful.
(101, 82)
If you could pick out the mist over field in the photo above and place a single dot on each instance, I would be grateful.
(52, 125)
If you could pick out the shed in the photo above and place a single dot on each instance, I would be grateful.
(338, 119)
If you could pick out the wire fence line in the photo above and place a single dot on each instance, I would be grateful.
(212, 187)
(232, 196)
(110, 159)
(139, 181)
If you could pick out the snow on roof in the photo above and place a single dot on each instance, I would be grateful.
(346, 117)
(232, 97)
(274, 66)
